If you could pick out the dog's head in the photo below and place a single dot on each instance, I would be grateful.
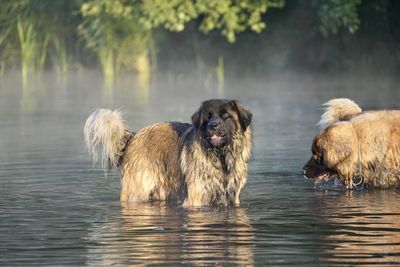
(316, 168)
(333, 153)
(218, 120)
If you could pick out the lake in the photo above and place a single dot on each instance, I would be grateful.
(57, 208)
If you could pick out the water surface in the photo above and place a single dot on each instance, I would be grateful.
(57, 209)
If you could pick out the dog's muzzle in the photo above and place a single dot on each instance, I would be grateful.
(215, 133)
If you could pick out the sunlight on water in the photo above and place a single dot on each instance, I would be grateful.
(55, 209)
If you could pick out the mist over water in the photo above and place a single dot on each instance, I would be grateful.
(56, 208)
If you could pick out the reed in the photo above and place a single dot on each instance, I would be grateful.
(220, 73)
(60, 56)
(107, 62)
(33, 47)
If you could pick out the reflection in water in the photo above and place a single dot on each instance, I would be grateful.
(218, 237)
(367, 227)
(56, 210)
(33, 95)
(159, 234)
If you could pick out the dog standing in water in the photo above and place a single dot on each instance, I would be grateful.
(200, 163)
(361, 148)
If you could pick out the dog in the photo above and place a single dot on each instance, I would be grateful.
(201, 163)
(360, 148)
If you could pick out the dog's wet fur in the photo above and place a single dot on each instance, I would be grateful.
(356, 147)
(200, 163)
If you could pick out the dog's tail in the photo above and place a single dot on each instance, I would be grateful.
(106, 134)
(338, 109)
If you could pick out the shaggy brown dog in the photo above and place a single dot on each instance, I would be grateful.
(203, 163)
(360, 148)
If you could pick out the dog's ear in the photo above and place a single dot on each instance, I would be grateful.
(317, 145)
(197, 118)
(337, 146)
(244, 114)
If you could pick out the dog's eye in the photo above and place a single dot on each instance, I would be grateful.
(209, 115)
(318, 158)
(226, 115)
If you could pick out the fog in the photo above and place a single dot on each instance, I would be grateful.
(58, 208)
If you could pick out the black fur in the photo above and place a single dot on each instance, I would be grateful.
(215, 118)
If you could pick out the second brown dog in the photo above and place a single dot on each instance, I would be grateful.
(360, 148)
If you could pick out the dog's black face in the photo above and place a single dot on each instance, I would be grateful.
(218, 120)
(316, 168)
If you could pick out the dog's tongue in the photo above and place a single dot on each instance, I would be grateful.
(215, 137)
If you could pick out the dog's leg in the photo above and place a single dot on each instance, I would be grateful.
(139, 188)
(194, 199)
(346, 173)
(197, 194)
(234, 199)
(349, 183)
(192, 202)
(237, 180)
(233, 193)
(347, 179)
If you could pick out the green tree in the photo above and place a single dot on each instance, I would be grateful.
(229, 16)
(334, 14)
(110, 28)
(120, 31)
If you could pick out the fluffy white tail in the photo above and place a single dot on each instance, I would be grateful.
(338, 109)
(105, 134)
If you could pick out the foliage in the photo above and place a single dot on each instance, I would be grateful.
(19, 20)
(34, 28)
(111, 30)
(121, 29)
(124, 35)
(334, 14)
(231, 17)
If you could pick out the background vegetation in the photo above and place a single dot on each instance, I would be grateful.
(239, 36)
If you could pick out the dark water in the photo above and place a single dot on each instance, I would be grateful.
(55, 209)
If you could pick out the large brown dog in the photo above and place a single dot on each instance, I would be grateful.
(200, 164)
(360, 148)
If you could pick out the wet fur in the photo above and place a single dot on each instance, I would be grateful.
(364, 143)
(173, 160)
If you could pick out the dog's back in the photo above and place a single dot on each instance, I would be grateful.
(151, 162)
(391, 117)
(344, 109)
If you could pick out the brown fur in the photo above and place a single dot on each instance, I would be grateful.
(366, 145)
(173, 160)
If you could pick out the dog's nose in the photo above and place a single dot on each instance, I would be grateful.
(213, 125)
